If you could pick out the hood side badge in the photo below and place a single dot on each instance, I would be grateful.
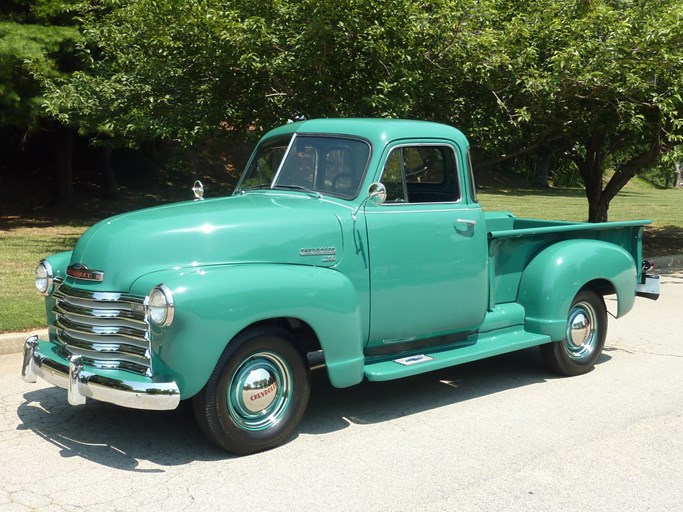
(328, 253)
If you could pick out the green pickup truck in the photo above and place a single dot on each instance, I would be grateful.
(354, 245)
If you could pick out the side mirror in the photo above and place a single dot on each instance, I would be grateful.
(198, 189)
(377, 193)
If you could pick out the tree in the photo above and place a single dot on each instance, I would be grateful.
(168, 70)
(598, 81)
(37, 40)
(164, 69)
(591, 82)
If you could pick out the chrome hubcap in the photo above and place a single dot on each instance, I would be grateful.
(582, 334)
(259, 391)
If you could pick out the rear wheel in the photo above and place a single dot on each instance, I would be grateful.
(584, 338)
(257, 393)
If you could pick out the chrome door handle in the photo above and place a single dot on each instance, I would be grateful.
(468, 222)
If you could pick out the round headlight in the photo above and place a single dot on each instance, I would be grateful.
(44, 278)
(160, 306)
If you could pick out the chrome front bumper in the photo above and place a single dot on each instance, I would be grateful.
(81, 382)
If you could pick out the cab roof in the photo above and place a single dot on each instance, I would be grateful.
(378, 131)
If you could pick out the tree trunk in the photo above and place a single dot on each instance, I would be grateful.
(678, 179)
(597, 211)
(598, 203)
(542, 168)
(109, 177)
(63, 190)
(599, 199)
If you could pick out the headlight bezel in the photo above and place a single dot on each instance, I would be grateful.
(160, 300)
(49, 278)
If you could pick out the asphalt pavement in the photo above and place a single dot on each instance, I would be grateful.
(498, 434)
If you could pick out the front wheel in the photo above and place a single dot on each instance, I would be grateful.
(584, 338)
(257, 393)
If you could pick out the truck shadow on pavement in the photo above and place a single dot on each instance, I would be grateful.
(333, 409)
(124, 439)
(114, 436)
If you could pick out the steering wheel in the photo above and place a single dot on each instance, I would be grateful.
(343, 182)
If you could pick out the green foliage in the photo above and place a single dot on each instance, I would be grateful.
(596, 82)
(180, 70)
(163, 69)
(33, 46)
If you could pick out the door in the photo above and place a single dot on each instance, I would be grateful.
(428, 251)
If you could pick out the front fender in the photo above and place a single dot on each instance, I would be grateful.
(553, 278)
(213, 304)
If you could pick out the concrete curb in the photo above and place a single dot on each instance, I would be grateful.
(670, 262)
(12, 343)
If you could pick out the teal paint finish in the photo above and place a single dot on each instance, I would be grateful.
(515, 242)
(426, 269)
(554, 277)
(477, 346)
(428, 260)
(257, 227)
(379, 132)
(213, 304)
(367, 278)
(59, 261)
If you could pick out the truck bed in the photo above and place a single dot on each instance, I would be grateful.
(513, 242)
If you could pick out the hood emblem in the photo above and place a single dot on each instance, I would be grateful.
(78, 271)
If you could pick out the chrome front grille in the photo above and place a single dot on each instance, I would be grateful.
(107, 329)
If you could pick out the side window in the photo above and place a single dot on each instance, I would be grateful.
(421, 174)
(393, 178)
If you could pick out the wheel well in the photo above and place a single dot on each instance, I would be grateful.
(601, 286)
(306, 338)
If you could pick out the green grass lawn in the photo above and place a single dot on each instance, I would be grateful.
(23, 242)
(663, 207)
(21, 307)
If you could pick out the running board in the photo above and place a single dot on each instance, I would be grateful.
(478, 346)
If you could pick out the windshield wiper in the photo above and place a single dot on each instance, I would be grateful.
(313, 193)
(299, 188)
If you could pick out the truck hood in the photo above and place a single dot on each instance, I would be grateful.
(257, 227)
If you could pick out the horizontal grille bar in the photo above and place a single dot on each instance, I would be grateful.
(107, 329)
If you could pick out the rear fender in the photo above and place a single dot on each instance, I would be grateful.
(213, 304)
(555, 275)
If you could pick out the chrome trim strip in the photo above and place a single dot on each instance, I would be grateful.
(82, 383)
(98, 296)
(282, 162)
(100, 330)
(410, 144)
(67, 308)
(104, 347)
(108, 330)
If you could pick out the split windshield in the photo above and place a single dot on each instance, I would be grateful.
(324, 164)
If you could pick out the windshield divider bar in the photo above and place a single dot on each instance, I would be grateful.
(282, 163)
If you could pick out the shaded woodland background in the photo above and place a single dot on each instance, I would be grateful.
(106, 97)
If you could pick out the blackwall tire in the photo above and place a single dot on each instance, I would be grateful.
(257, 394)
(584, 339)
